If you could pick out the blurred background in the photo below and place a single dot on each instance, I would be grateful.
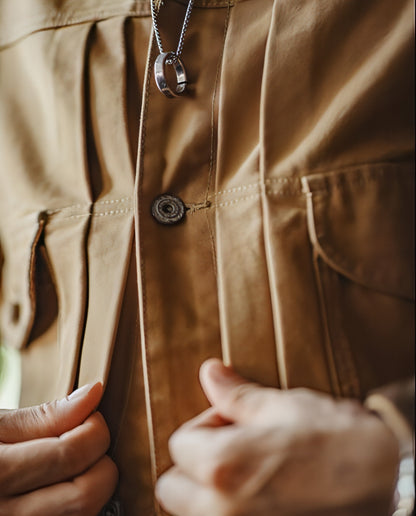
(9, 378)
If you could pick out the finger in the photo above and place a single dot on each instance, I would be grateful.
(85, 495)
(204, 454)
(234, 397)
(185, 443)
(209, 418)
(181, 496)
(227, 458)
(49, 419)
(248, 403)
(32, 464)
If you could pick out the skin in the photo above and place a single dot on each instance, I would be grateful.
(261, 451)
(256, 451)
(53, 458)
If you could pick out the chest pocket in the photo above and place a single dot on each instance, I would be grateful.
(361, 227)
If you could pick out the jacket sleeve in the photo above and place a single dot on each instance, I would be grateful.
(394, 403)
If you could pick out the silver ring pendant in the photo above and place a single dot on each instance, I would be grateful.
(159, 68)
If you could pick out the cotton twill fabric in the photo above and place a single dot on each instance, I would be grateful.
(292, 151)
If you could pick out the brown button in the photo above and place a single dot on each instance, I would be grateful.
(168, 209)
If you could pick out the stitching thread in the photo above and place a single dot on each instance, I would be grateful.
(112, 212)
(113, 201)
(212, 155)
(270, 180)
(235, 201)
(87, 206)
(94, 214)
(358, 175)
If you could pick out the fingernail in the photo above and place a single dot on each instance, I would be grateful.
(82, 391)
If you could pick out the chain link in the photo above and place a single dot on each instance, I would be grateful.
(156, 31)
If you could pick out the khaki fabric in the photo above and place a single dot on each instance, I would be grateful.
(293, 152)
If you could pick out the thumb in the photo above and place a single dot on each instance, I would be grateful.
(50, 419)
(235, 398)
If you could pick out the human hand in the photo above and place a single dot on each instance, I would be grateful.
(261, 451)
(52, 458)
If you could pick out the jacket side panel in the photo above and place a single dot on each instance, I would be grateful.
(43, 162)
(247, 332)
(345, 103)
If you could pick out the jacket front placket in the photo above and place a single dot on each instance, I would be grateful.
(178, 308)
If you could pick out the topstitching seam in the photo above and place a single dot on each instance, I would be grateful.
(87, 206)
(152, 416)
(270, 180)
(213, 143)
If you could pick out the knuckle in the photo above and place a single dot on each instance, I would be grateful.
(101, 430)
(101, 420)
(69, 457)
(253, 400)
(108, 476)
(75, 453)
(240, 393)
(220, 476)
(43, 414)
(112, 469)
(175, 441)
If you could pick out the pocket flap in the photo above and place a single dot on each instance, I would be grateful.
(361, 223)
(18, 302)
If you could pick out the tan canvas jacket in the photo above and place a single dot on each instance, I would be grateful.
(292, 151)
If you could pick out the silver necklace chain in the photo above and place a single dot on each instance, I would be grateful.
(175, 55)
